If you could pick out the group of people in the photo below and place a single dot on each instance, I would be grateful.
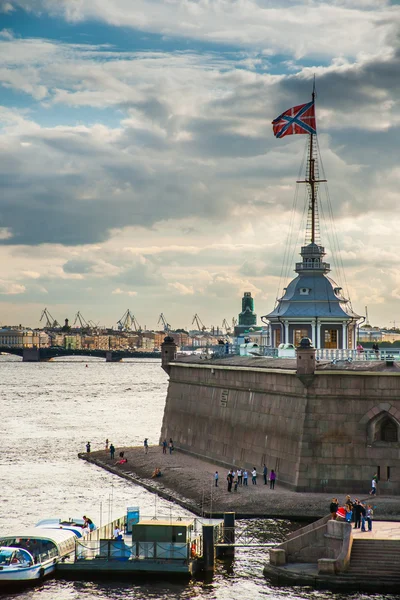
(354, 511)
(169, 445)
(375, 348)
(240, 477)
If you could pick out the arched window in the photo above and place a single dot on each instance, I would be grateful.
(383, 429)
(388, 431)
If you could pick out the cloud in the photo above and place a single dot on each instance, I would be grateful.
(78, 266)
(181, 289)
(6, 7)
(157, 170)
(118, 291)
(8, 288)
(299, 27)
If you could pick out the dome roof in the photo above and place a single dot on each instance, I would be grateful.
(313, 294)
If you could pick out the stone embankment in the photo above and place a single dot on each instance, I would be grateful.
(189, 481)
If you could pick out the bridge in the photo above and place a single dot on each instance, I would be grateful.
(46, 354)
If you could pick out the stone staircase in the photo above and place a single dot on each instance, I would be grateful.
(375, 559)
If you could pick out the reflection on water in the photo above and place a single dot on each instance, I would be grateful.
(48, 413)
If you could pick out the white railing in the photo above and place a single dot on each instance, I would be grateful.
(350, 355)
(320, 354)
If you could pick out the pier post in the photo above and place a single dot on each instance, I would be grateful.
(111, 357)
(229, 533)
(208, 547)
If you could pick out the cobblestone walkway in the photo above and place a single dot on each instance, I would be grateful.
(187, 477)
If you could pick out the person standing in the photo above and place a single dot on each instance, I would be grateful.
(363, 515)
(272, 479)
(357, 514)
(107, 442)
(170, 445)
(245, 477)
(265, 474)
(370, 514)
(254, 476)
(88, 447)
(229, 479)
(373, 485)
(164, 447)
(333, 508)
(240, 476)
(216, 477)
(146, 445)
(112, 451)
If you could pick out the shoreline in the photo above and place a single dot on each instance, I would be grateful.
(188, 481)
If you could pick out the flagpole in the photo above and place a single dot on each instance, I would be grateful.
(311, 177)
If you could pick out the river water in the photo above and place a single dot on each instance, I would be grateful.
(48, 413)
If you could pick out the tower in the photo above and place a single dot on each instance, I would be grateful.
(247, 317)
(313, 305)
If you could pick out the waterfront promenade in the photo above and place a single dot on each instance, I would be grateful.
(189, 481)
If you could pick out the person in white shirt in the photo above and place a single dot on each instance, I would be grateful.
(239, 476)
(254, 476)
(245, 477)
(216, 477)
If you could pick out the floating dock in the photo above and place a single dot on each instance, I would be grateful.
(158, 545)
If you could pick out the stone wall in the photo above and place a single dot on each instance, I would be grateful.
(237, 417)
(325, 542)
(315, 432)
(336, 453)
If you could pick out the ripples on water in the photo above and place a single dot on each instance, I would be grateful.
(48, 413)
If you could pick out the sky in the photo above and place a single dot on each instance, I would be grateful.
(138, 168)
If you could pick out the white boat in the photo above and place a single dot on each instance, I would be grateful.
(33, 554)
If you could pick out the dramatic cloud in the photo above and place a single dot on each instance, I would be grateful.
(143, 170)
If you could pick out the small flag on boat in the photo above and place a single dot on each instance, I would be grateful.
(299, 119)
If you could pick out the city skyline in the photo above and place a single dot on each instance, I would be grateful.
(139, 168)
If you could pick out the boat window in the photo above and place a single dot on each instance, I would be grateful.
(5, 556)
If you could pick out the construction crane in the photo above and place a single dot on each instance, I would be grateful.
(82, 322)
(163, 320)
(226, 326)
(199, 323)
(128, 322)
(50, 321)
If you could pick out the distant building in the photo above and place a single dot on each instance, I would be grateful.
(96, 342)
(23, 338)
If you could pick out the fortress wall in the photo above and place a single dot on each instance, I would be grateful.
(316, 437)
(335, 451)
(238, 417)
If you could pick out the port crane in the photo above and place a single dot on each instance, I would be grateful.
(128, 322)
(163, 320)
(199, 323)
(50, 321)
(226, 326)
(83, 324)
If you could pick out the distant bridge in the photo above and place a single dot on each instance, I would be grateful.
(46, 354)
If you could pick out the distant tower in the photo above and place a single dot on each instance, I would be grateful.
(247, 317)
